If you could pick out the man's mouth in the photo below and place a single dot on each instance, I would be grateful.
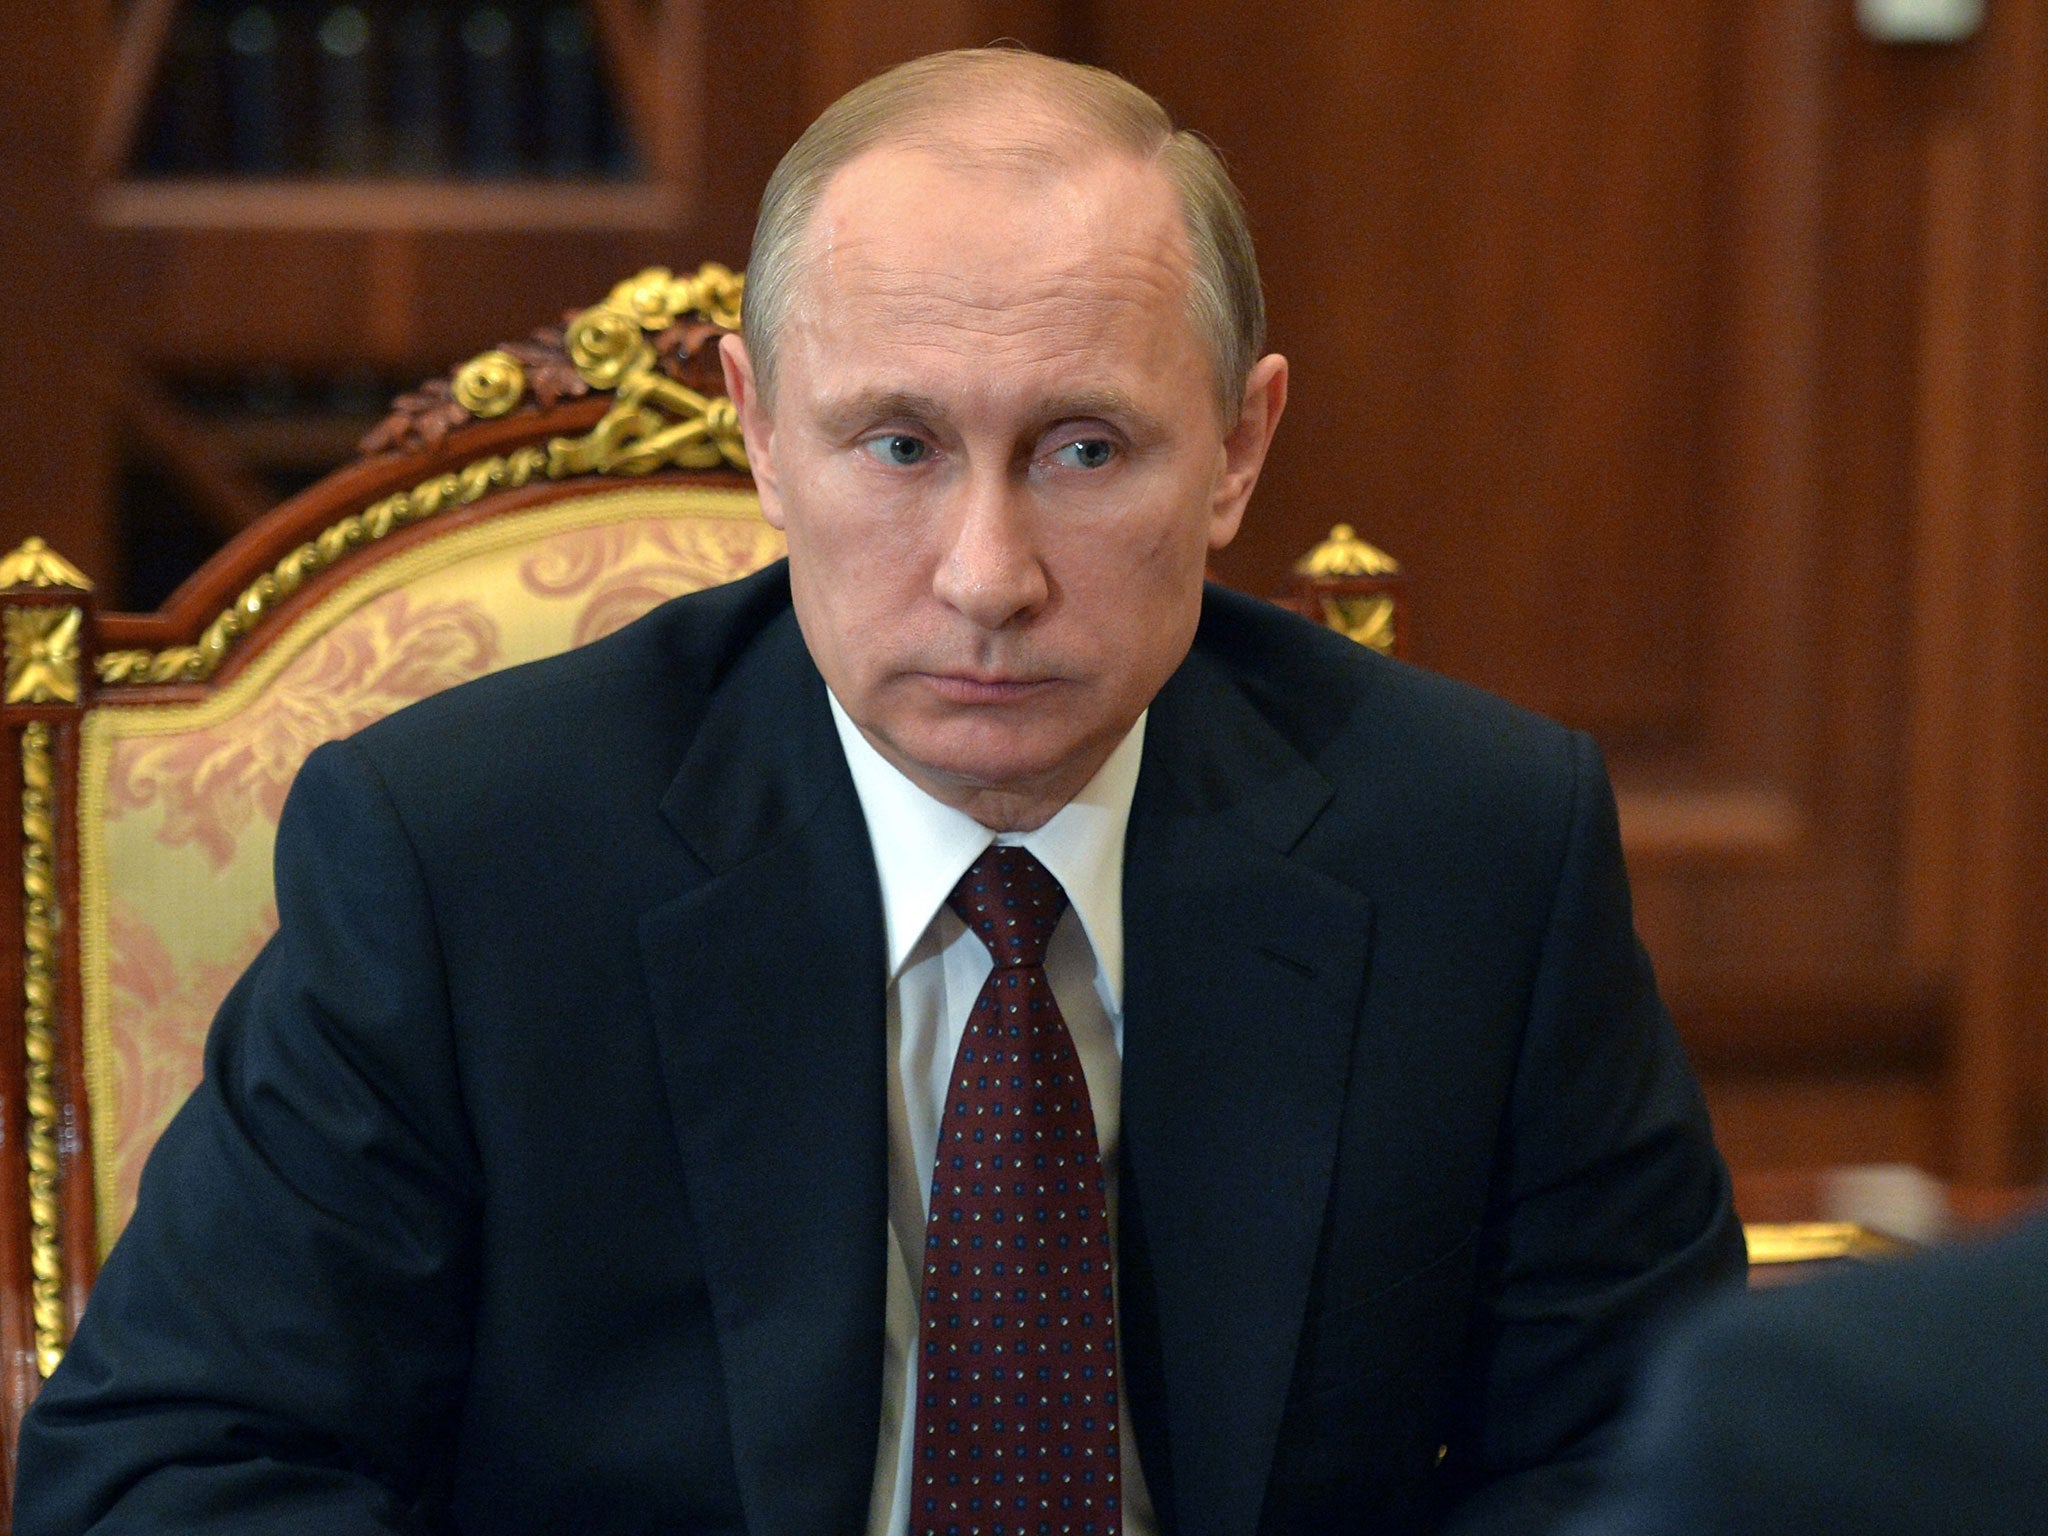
(985, 687)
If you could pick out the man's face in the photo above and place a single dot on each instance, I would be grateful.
(995, 449)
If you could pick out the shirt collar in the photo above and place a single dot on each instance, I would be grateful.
(922, 846)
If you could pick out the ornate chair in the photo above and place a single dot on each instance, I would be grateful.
(547, 493)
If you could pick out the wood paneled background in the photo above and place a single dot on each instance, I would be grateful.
(1690, 353)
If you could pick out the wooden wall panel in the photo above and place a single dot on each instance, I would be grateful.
(1682, 352)
(1483, 230)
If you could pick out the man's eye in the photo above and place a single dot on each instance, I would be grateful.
(899, 448)
(1086, 453)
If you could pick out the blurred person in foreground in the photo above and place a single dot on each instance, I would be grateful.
(966, 1030)
(1903, 1399)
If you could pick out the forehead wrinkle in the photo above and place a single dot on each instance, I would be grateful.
(943, 359)
(1094, 239)
(934, 372)
(872, 268)
(1075, 306)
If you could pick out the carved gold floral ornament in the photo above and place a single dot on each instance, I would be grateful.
(1369, 619)
(1344, 553)
(657, 422)
(42, 655)
(658, 300)
(35, 564)
(490, 385)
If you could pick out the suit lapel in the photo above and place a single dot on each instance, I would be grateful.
(1244, 976)
(768, 987)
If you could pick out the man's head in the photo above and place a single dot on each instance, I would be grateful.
(1001, 435)
(927, 103)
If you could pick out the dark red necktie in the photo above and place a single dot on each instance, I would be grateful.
(1017, 1386)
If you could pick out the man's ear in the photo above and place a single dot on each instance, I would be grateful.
(1245, 445)
(757, 425)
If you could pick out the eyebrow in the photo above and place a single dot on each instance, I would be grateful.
(1111, 403)
(851, 413)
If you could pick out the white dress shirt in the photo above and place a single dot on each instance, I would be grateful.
(936, 967)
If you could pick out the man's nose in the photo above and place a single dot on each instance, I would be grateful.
(991, 570)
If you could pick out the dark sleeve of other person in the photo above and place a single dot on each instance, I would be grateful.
(1908, 1397)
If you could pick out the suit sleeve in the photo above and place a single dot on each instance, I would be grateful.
(1746, 1428)
(1613, 1211)
(1889, 1399)
(278, 1341)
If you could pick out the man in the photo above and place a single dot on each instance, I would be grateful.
(1893, 1401)
(661, 1109)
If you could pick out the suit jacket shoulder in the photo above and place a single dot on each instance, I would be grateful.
(636, 696)
(1436, 790)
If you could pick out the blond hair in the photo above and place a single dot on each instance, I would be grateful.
(920, 104)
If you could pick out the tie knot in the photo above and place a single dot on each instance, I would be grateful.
(1012, 902)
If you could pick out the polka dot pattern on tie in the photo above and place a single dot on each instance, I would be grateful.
(1017, 1389)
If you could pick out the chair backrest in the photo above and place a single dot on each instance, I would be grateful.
(546, 493)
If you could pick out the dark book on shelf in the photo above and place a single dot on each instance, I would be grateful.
(260, 131)
(481, 89)
(347, 139)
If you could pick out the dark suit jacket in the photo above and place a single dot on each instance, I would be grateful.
(1896, 1401)
(538, 1178)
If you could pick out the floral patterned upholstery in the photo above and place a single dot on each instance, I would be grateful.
(179, 803)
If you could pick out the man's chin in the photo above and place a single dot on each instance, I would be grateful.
(954, 765)
(981, 773)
